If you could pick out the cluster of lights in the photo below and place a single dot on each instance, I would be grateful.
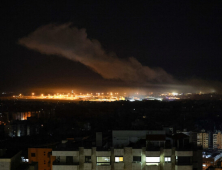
(77, 96)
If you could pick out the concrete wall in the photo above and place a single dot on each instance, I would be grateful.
(152, 153)
(103, 153)
(65, 167)
(128, 158)
(10, 163)
(153, 167)
(167, 152)
(185, 167)
(87, 152)
(119, 165)
(136, 152)
(16, 160)
(167, 166)
(108, 167)
(183, 153)
(87, 166)
(5, 164)
(65, 153)
(118, 152)
(136, 166)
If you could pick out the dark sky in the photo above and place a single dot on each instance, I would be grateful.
(181, 37)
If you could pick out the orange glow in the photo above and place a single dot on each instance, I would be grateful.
(84, 97)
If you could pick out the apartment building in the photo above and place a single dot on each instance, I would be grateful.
(217, 140)
(9, 159)
(43, 156)
(155, 152)
(203, 139)
(127, 158)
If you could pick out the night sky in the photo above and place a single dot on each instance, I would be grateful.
(183, 38)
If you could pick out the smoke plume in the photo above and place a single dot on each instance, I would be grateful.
(72, 43)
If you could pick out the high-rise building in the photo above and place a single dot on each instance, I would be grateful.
(203, 139)
(217, 140)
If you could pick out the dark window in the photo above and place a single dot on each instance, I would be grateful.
(87, 158)
(136, 158)
(183, 160)
(32, 154)
(69, 159)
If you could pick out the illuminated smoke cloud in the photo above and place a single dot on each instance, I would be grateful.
(72, 43)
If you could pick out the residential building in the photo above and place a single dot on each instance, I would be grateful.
(156, 153)
(203, 139)
(41, 155)
(10, 159)
(217, 140)
(126, 158)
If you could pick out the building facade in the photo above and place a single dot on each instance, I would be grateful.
(41, 155)
(203, 139)
(217, 140)
(9, 160)
(127, 158)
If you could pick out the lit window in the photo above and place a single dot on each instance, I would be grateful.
(103, 160)
(118, 159)
(152, 159)
(167, 159)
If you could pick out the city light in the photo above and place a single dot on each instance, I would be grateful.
(73, 96)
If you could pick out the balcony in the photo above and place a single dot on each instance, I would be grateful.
(87, 166)
(167, 166)
(65, 165)
(153, 153)
(183, 167)
(118, 165)
(87, 152)
(136, 166)
(65, 153)
(152, 167)
(103, 167)
(183, 153)
(118, 152)
(136, 152)
(103, 153)
(167, 152)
